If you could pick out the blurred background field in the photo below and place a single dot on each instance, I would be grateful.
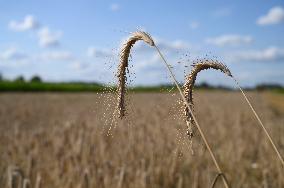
(62, 138)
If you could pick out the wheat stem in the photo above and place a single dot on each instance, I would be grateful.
(261, 124)
(194, 118)
(216, 178)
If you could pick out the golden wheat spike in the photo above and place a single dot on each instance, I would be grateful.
(189, 85)
(123, 64)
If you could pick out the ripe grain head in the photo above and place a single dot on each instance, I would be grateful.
(198, 66)
(123, 65)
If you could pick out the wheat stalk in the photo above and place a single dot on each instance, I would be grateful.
(123, 65)
(216, 178)
(86, 182)
(26, 183)
(38, 181)
(16, 177)
(188, 86)
(261, 124)
(122, 79)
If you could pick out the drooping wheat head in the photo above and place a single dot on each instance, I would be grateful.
(198, 66)
(123, 65)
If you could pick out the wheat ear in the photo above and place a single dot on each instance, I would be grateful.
(188, 86)
(123, 65)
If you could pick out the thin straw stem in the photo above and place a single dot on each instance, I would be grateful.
(194, 118)
(261, 124)
(216, 178)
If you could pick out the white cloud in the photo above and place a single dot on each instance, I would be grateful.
(28, 23)
(270, 54)
(99, 52)
(274, 16)
(56, 56)
(151, 63)
(12, 58)
(193, 25)
(222, 12)
(12, 54)
(230, 40)
(79, 66)
(172, 46)
(47, 38)
(114, 7)
(164, 45)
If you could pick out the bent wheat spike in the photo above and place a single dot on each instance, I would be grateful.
(123, 65)
(198, 66)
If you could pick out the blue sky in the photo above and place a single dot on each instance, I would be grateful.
(80, 40)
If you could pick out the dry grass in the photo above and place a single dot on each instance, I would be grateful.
(60, 140)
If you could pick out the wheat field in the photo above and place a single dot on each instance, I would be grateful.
(60, 140)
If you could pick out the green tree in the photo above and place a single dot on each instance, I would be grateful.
(36, 79)
(20, 79)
